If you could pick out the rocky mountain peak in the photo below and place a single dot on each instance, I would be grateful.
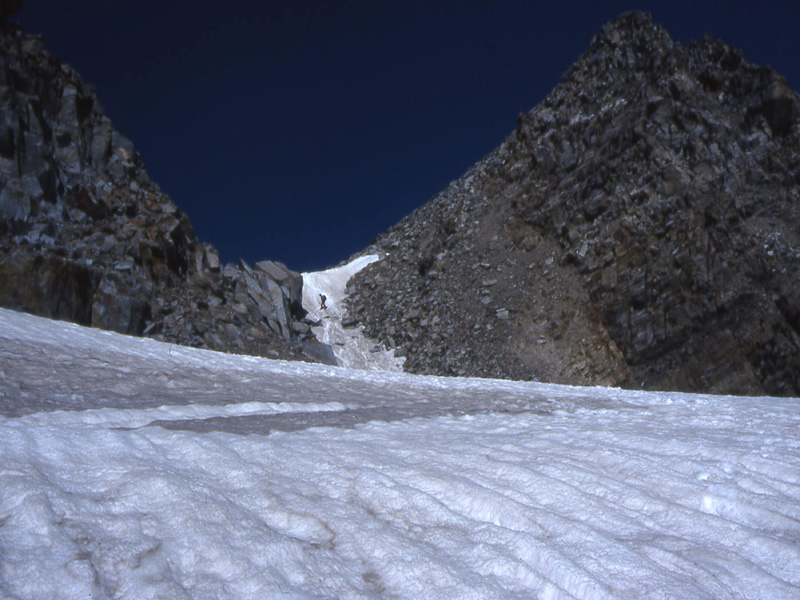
(633, 28)
(639, 227)
(86, 236)
(632, 42)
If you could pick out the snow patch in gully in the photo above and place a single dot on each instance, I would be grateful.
(323, 298)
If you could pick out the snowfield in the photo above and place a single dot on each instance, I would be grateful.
(135, 469)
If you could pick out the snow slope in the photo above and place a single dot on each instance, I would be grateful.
(135, 469)
(349, 345)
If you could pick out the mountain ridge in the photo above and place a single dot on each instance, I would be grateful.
(86, 236)
(639, 228)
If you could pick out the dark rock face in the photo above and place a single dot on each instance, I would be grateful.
(87, 237)
(9, 7)
(640, 227)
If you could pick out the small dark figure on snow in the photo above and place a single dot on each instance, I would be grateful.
(322, 299)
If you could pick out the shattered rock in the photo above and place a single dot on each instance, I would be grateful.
(87, 237)
(649, 212)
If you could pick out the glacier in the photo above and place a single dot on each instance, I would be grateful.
(135, 469)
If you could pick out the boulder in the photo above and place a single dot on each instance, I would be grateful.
(318, 352)
(291, 282)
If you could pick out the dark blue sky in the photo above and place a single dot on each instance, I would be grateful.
(299, 131)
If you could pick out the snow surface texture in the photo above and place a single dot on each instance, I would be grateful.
(350, 346)
(492, 489)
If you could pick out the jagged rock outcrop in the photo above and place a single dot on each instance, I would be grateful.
(86, 236)
(640, 227)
